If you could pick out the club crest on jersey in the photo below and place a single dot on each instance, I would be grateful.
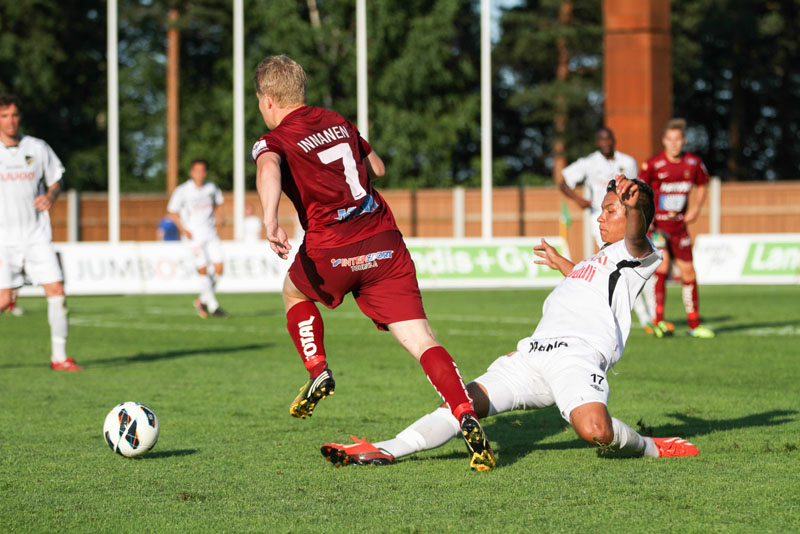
(29, 160)
(363, 262)
(687, 174)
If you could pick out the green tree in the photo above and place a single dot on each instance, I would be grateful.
(736, 82)
(526, 89)
(52, 56)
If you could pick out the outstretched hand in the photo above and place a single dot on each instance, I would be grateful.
(278, 240)
(547, 253)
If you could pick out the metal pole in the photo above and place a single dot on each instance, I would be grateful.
(238, 120)
(73, 216)
(715, 205)
(486, 120)
(113, 122)
(459, 212)
(361, 68)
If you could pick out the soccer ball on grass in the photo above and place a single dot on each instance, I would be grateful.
(130, 429)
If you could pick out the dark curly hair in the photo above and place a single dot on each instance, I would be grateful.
(649, 204)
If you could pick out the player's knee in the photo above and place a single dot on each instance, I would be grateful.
(594, 430)
(5, 300)
(596, 433)
(218, 268)
(688, 274)
(202, 270)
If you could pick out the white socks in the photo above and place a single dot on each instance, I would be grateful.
(627, 439)
(57, 317)
(642, 313)
(428, 432)
(207, 295)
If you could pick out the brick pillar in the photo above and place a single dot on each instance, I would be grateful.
(637, 73)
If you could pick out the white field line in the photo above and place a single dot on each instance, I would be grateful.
(783, 331)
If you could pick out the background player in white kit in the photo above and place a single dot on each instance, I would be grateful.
(193, 206)
(30, 180)
(595, 171)
(585, 324)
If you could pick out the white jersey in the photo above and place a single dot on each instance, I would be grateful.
(595, 170)
(26, 171)
(594, 301)
(195, 206)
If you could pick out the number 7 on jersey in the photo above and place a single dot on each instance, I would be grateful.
(343, 152)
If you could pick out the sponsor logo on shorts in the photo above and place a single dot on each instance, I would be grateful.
(364, 262)
(546, 347)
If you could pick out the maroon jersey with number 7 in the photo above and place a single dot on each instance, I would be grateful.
(324, 174)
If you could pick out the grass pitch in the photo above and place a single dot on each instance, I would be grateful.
(231, 459)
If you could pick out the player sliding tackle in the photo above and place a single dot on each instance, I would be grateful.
(351, 244)
(585, 323)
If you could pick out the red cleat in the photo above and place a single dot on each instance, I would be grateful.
(361, 453)
(674, 447)
(67, 365)
(201, 308)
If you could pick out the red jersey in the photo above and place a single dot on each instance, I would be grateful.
(671, 183)
(324, 174)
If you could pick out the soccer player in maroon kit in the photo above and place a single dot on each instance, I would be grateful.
(672, 174)
(351, 245)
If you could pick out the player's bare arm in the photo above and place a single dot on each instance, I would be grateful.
(570, 193)
(696, 203)
(375, 166)
(177, 220)
(268, 184)
(552, 258)
(45, 202)
(635, 222)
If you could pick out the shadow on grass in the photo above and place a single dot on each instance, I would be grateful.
(148, 356)
(171, 354)
(169, 454)
(515, 435)
(690, 427)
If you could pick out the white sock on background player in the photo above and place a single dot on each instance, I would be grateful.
(648, 295)
(642, 313)
(57, 317)
(207, 295)
(627, 439)
(427, 432)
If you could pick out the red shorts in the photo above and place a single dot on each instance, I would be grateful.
(378, 271)
(678, 244)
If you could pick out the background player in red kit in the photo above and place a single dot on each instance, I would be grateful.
(672, 174)
(351, 244)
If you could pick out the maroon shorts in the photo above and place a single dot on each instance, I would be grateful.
(678, 243)
(378, 271)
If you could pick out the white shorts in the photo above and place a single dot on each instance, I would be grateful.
(205, 253)
(37, 260)
(565, 371)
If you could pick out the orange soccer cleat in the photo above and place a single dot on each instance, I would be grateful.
(674, 447)
(67, 365)
(361, 452)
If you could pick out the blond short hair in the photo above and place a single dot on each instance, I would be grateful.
(281, 78)
(676, 124)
